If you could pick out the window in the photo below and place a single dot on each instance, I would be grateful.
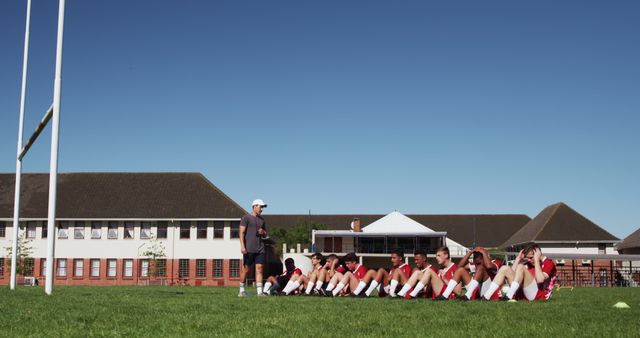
(602, 249)
(1, 267)
(95, 268)
(161, 267)
(144, 268)
(183, 271)
(217, 268)
(185, 231)
(235, 229)
(202, 230)
(31, 229)
(112, 231)
(3, 229)
(28, 266)
(111, 267)
(127, 268)
(43, 267)
(78, 230)
(78, 267)
(45, 230)
(62, 267)
(63, 230)
(162, 229)
(218, 229)
(145, 230)
(201, 268)
(234, 268)
(96, 230)
(128, 230)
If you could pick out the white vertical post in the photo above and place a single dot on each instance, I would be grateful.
(53, 172)
(16, 204)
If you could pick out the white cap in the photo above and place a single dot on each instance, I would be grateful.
(259, 202)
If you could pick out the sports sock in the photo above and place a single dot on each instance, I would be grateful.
(404, 290)
(267, 287)
(309, 288)
(373, 286)
(241, 287)
(417, 290)
(330, 287)
(450, 286)
(338, 288)
(291, 287)
(287, 286)
(393, 285)
(492, 289)
(319, 285)
(512, 289)
(359, 288)
(471, 287)
(258, 288)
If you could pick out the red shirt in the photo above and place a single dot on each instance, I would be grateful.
(432, 267)
(341, 269)
(447, 273)
(404, 267)
(548, 267)
(295, 271)
(360, 271)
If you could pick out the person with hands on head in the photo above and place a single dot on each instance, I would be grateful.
(252, 230)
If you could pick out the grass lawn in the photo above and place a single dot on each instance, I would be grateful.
(217, 311)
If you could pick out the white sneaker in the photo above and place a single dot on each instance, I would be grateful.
(242, 294)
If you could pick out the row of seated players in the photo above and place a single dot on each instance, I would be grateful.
(531, 277)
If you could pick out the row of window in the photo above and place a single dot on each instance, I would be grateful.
(126, 268)
(146, 230)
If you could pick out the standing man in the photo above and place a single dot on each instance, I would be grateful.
(252, 229)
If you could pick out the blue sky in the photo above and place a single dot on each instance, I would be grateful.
(345, 106)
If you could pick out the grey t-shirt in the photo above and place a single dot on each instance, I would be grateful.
(251, 240)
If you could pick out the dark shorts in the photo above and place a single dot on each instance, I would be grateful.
(252, 258)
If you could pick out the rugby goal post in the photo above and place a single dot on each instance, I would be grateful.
(53, 114)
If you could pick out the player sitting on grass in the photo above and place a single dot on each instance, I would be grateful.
(422, 265)
(313, 277)
(462, 275)
(437, 280)
(484, 269)
(531, 273)
(331, 274)
(397, 275)
(276, 284)
(357, 278)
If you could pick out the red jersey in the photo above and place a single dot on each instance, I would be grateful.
(341, 269)
(360, 271)
(545, 288)
(406, 269)
(288, 273)
(432, 267)
(447, 273)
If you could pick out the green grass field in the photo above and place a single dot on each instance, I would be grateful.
(217, 311)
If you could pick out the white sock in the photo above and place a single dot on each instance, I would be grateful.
(330, 287)
(393, 285)
(258, 288)
(319, 285)
(386, 289)
(290, 287)
(359, 288)
(267, 286)
(338, 288)
(287, 286)
(492, 290)
(373, 286)
(417, 290)
(512, 289)
(309, 288)
(471, 287)
(405, 289)
(241, 287)
(450, 286)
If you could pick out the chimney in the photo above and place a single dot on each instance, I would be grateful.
(356, 225)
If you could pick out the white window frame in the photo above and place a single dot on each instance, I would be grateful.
(112, 270)
(78, 267)
(78, 230)
(61, 270)
(112, 233)
(63, 229)
(96, 233)
(127, 268)
(145, 230)
(144, 268)
(95, 270)
(129, 230)
(31, 229)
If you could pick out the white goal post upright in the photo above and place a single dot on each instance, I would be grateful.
(16, 204)
(53, 172)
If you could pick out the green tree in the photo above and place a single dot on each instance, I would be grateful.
(299, 233)
(154, 252)
(24, 257)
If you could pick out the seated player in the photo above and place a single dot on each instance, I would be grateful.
(531, 274)
(422, 265)
(481, 269)
(357, 278)
(397, 275)
(334, 271)
(437, 280)
(484, 270)
(313, 277)
(275, 285)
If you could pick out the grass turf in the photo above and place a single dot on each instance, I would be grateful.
(217, 311)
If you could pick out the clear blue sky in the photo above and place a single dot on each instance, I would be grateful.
(345, 106)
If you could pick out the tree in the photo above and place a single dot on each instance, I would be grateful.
(297, 234)
(154, 251)
(24, 257)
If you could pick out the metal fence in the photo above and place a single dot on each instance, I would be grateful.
(586, 276)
